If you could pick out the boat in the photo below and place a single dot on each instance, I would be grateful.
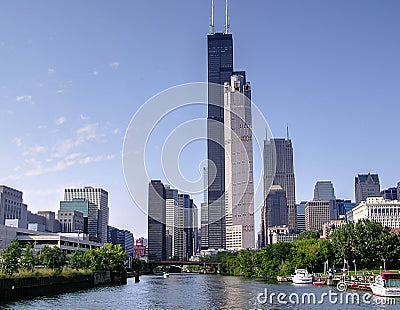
(302, 276)
(387, 284)
(319, 283)
(165, 275)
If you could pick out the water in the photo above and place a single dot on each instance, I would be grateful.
(192, 291)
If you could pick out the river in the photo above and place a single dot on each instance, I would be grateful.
(192, 291)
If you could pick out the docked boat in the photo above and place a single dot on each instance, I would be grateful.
(319, 283)
(302, 276)
(387, 284)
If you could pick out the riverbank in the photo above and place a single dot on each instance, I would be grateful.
(12, 289)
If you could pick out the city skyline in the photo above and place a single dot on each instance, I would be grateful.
(65, 107)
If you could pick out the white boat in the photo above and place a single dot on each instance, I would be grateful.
(165, 275)
(387, 284)
(302, 276)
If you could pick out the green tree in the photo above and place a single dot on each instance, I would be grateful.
(311, 253)
(28, 259)
(106, 258)
(10, 262)
(343, 244)
(78, 260)
(53, 257)
(308, 234)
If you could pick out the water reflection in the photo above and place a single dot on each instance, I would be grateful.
(190, 291)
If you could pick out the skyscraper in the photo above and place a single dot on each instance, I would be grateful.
(171, 218)
(276, 211)
(156, 216)
(278, 170)
(204, 226)
(97, 196)
(366, 185)
(238, 164)
(324, 190)
(220, 70)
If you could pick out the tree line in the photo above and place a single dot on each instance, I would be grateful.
(106, 258)
(367, 244)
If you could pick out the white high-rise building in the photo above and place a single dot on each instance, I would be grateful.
(239, 188)
(99, 197)
(171, 217)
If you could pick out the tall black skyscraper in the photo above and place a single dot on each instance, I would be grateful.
(156, 221)
(220, 70)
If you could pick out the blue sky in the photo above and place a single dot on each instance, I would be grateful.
(73, 73)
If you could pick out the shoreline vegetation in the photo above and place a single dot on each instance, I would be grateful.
(25, 274)
(47, 272)
(16, 261)
(363, 246)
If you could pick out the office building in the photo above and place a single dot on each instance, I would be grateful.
(43, 221)
(301, 219)
(319, 212)
(239, 186)
(276, 211)
(51, 224)
(91, 213)
(196, 230)
(156, 215)
(324, 191)
(97, 196)
(398, 191)
(389, 193)
(171, 219)
(12, 206)
(139, 250)
(366, 185)
(277, 234)
(36, 222)
(71, 221)
(204, 225)
(279, 170)
(377, 209)
(220, 70)
(122, 237)
(344, 205)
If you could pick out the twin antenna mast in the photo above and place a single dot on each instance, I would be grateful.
(227, 26)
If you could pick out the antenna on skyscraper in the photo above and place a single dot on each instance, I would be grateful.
(227, 18)
(287, 131)
(212, 18)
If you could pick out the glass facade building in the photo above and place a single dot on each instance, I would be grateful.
(220, 70)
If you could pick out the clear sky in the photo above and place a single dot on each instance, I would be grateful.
(73, 73)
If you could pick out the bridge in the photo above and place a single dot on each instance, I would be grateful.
(192, 263)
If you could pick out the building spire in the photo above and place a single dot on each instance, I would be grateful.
(287, 131)
(212, 18)
(226, 18)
